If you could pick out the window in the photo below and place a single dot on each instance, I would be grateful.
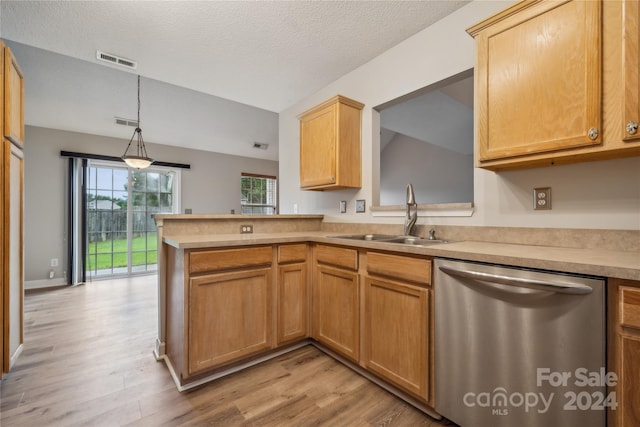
(258, 194)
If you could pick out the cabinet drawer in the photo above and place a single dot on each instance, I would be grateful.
(226, 259)
(292, 253)
(341, 257)
(399, 267)
(630, 307)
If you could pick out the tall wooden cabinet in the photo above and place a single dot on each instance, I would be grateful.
(549, 86)
(11, 226)
(330, 145)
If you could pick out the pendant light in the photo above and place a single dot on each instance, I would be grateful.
(140, 160)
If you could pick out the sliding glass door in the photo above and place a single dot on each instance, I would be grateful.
(121, 235)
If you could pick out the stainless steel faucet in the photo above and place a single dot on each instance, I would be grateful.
(412, 211)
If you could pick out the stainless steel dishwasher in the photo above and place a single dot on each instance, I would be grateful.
(516, 347)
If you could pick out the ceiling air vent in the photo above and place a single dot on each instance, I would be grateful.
(260, 145)
(116, 60)
(126, 122)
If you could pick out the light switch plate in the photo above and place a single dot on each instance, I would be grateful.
(360, 206)
(542, 198)
(343, 206)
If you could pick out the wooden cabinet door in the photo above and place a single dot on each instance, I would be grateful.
(629, 354)
(624, 351)
(337, 322)
(397, 334)
(13, 99)
(12, 252)
(330, 145)
(229, 317)
(629, 381)
(318, 147)
(292, 302)
(538, 79)
(631, 69)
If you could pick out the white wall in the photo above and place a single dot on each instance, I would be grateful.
(599, 195)
(212, 185)
(438, 175)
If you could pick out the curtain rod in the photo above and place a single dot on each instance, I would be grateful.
(118, 159)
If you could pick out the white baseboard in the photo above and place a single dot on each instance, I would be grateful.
(159, 350)
(16, 354)
(45, 283)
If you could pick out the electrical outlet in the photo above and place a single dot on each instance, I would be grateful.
(54, 262)
(542, 198)
(245, 229)
(360, 206)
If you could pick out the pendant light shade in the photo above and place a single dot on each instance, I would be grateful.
(138, 159)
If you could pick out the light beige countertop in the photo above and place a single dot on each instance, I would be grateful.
(605, 263)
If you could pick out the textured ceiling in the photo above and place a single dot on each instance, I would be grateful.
(214, 73)
(267, 54)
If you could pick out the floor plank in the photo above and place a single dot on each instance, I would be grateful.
(88, 360)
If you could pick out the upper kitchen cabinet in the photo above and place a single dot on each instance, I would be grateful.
(330, 139)
(549, 87)
(631, 69)
(13, 102)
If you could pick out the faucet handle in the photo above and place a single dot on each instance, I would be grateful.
(432, 234)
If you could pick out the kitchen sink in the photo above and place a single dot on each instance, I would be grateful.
(366, 237)
(385, 238)
(418, 241)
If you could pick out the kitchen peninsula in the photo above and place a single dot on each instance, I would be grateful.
(228, 300)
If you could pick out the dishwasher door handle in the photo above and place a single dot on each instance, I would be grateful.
(541, 285)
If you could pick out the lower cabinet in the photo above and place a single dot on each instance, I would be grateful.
(293, 295)
(229, 317)
(336, 300)
(624, 350)
(375, 308)
(232, 305)
(398, 334)
(337, 311)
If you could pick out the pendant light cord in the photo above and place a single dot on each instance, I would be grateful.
(141, 158)
(138, 101)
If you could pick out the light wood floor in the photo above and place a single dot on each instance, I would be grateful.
(88, 360)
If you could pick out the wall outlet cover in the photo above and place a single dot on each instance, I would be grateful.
(360, 206)
(542, 198)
